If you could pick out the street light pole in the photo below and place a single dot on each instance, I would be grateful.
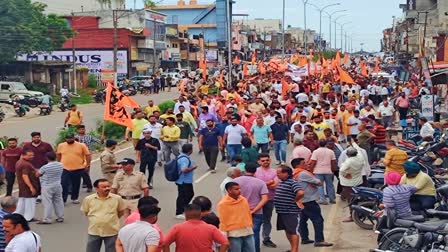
(305, 39)
(283, 33)
(335, 31)
(320, 19)
(330, 15)
(342, 33)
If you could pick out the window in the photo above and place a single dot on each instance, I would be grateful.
(5, 87)
(174, 45)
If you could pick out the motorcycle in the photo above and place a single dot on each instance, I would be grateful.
(2, 114)
(65, 103)
(99, 96)
(20, 109)
(364, 198)
(45, 109)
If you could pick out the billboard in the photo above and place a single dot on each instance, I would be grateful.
(94, 60)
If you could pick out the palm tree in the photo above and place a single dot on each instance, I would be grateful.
(149, 4)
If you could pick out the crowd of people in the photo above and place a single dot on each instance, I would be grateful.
(332, 127)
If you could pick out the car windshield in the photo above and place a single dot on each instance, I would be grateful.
(19, 86)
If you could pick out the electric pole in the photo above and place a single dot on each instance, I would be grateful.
(115, 21)
(154, 55)
(74, 60)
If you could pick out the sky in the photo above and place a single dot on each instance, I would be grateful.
(368, 18)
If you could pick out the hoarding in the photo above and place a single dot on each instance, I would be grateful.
(94, 60)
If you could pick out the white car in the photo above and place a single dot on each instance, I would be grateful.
(175, 77)
(8, 88)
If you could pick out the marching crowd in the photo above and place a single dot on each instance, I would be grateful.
(332, 125)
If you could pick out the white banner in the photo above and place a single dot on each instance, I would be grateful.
(94, 60)
(427, 107)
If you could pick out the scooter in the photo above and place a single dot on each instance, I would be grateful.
(20, 109)
(65, 103)
(45, 109)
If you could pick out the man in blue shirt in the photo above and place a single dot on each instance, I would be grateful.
(210, 141)
(281, 139)
(261, 135)
(184, 183)
(222, 127)
(9, 205)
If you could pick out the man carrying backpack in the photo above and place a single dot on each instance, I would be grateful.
(74, 117)
(185, 169)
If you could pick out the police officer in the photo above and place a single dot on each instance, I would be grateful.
(130, 184)
(109, 167)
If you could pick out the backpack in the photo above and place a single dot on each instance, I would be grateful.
(171, 169)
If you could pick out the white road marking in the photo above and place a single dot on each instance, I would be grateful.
(202, 177)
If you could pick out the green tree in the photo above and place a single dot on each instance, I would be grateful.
(150, 4)
(25, 28)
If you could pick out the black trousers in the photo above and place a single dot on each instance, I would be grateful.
(184, 195)
(73, 178)
(150, 165)
(86, 180)
(312, 212)
(403, 113)
(211, 155)
(10, 179)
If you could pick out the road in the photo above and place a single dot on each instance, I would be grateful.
(71, 235)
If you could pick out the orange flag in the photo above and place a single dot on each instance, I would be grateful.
(254, 57)
(377, 66)
(346, 58)
(115, 107)
(203, 66)
(344, 76)
(303, 61)
(261, 68)
(363, 69)
(245, 70)
(221, 77)
(236, 60)
(285, 87)
(338, 58)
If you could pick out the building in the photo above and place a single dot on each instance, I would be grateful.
(66, 7)
(261, 24)
(193, 19)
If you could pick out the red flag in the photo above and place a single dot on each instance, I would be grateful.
(344, 76)
(115, 107)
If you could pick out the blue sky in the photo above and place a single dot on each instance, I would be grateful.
(368, 17)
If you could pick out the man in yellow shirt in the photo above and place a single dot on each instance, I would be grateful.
(170, 137)
(149, 110)
(395, 158)
(425, 196)
(139, 122)
(188, 118)
(75, 157)
(74, 117)
(319, 126)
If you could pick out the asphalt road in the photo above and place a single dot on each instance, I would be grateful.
(71, 236)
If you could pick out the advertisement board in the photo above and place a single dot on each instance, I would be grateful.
(94, 60)
(427, 107)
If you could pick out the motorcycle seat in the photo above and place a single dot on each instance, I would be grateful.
(424, 227)
(416, 218)
(437, 213)
(404, 223)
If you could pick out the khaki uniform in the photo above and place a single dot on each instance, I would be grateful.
(107, 159)
(130, 187)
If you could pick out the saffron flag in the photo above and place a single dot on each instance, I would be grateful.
(254, 57)
(236, 60)
(346, 58)
(221, 77)
(344, 76)
(363, 69)
(285, 87)
(338, 58)
(303, 61)
(377, 65)
(115, 107)
(261, 68)
(203, 66)
(245, 70)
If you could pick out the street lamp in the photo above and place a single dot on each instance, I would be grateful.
(329, 16)
(320, 18)
(283, 33)
(335, 31)
(305, 39)
(342, 32)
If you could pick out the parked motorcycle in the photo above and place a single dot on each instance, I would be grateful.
(2, 114)
(365, 200)
(99, 96)
(20, 109)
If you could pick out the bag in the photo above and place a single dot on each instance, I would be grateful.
(171, 169)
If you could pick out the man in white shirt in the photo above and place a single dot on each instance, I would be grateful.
(277, 87)
(302, 97)
(427, 131)
(386, 112)
(156, 132)
(23, 239)
(182, 101)
(353, 122)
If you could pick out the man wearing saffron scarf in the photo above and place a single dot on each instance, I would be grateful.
(236, 219)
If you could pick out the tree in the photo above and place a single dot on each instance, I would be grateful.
(25, 28)
(149, 4)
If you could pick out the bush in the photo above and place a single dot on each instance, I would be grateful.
(165, 105)
(92, 81)
(40, 87)
(3, 142)
(112, 130)
(63, 133)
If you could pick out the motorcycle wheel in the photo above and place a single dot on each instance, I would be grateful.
(1, 118)
(21, 113)
(393, 242)
(32, 104)
(364, 221)
(62, 109)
